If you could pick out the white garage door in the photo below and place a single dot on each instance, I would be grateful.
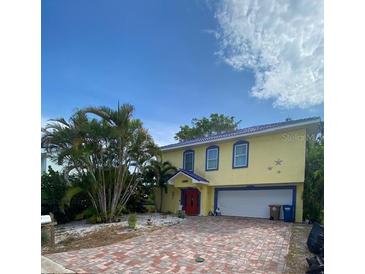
(252, 203)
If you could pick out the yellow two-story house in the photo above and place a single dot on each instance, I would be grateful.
(240, 173)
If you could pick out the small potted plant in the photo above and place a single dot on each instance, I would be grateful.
(132, 220)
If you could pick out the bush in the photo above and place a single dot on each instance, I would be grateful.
(132, 220)
(137, 201)
(80, 207)
(321, 219)
(53, 190)
(181, 214)
(150, 208)
(94, 219)
(44, 237)
(313, 200)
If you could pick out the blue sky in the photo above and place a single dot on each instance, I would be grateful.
(173, 60)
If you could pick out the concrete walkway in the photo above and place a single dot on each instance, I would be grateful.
(49, 266)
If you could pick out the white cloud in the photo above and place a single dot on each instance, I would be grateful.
(44, 121)
(281, 41)
(162, 133)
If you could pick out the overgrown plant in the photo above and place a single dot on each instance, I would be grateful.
(132, 220)
(181, 214)
(136, 202)
(44, 237)
(57, 192)
(109, 151)
(157, 174)
(53, 188)
(313, 195)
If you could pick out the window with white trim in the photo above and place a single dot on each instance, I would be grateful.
(189, 160)
(212, 158)
(240, 155)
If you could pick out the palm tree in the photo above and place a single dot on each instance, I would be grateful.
(111, 151)
(158, 173)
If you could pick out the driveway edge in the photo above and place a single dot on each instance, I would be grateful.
(49, 266)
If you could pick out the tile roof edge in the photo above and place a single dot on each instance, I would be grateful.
(190, 174)
(222, 137)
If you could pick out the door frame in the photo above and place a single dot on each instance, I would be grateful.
(251, 187)
(182, 197)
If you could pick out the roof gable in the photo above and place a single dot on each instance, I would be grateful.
(195, 177)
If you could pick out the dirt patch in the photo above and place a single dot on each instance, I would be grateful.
(77, 229)
(80, 234)
(102, 237)
(298, 250)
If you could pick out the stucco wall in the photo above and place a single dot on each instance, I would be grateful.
(263, 152)
(172, 198)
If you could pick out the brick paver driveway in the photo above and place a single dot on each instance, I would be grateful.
(228, 244)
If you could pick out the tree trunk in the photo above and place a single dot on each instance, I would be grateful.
(161, 191)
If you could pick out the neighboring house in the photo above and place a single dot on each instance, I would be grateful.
(240, 172)
(46, 162)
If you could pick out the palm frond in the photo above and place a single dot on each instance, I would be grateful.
(70, 193)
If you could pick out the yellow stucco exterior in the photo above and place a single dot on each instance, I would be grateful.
(262, 170)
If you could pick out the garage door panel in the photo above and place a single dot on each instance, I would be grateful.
(252, 203)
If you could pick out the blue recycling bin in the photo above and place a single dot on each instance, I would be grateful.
(288, 213)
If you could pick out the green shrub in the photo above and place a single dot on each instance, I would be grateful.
(181, 214)
(132, 220)
(54, 190)
(313, 195)
(94, 219)
(150, 208)
(44, 237)
(321, 219)
(137, 201)
(124, 210)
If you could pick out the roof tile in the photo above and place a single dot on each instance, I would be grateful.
(248, 130)
(193, 175)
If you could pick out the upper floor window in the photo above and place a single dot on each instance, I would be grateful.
(212, 158)
(240, 154)
(188, 161)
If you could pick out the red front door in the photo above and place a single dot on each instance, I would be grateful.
(192, 202)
